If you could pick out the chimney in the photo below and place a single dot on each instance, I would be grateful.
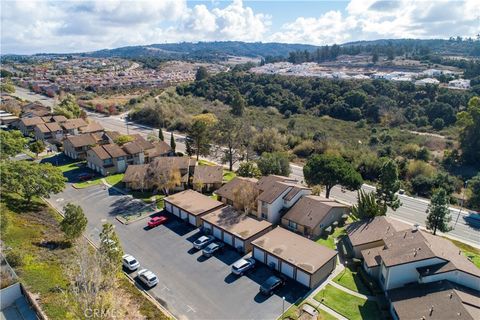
(431, 311)
(405, 235)
(451, 295)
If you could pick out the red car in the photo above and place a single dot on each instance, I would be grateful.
(156, 221)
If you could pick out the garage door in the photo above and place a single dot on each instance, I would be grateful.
(168, 207)
(287, 269)
(192, 220)
(207, 226)
(183, 215)
(176, 211)
(272, 262)
(217, 233)
(239, 244)
(259, 254)
(303, 278)
(228, 238)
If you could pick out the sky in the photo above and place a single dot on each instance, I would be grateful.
(46, 26)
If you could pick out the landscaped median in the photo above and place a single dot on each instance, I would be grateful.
(36, 248)
(349, 306)
(296, 311)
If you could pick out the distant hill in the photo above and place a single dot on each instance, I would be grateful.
(202, 50)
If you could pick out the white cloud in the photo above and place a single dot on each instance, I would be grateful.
(69, 26)
(80, 25)
(372, 19)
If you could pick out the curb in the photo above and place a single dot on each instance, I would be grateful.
(129, 278)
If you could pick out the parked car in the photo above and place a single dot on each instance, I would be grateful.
(243, 265)
(148, 277)
(85, 176)
(130, 262)
(271, 284)
(213, 247)
(156, 221)
(202, 242)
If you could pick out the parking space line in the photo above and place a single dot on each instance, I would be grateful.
(190, 309)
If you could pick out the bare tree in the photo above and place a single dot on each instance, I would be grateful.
(139, 181)
(163, 178)
(246, 197)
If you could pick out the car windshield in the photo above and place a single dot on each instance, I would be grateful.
(212, 246)
(202, 239)
(133, 261)
(270, 281)
(152, 278)
(240, 264)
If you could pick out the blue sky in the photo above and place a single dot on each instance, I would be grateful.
(32, 26)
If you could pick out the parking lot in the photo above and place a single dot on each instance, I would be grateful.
(190, 286)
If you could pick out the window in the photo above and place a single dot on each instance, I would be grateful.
(120, 158)
(292, 225)
(107, 161)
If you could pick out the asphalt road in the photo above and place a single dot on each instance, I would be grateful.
(28, 95)
(412, 211)
(190, 286)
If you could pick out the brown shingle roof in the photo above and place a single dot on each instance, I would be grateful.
(42, 128)
(193, 202)
(277, 189)
(372, 230)
(229, 189)
(132, 147)
(31, 121)
(112, 135)
(372, 256)
(100, 152)
(91, 127)
(135, 172)
(114, 150)
(159, 148)
(74, 123)
(141, 141)
(437, 300)
(267, 182)
(81, 140)
(295, 249)
(311, 210)
(208, 174)
(53, 126)
(236, 223)
(59, 119)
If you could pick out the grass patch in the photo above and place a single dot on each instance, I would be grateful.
(471, 252)
(88, 183)
(351, 307)
(294, 312)
(214, 196)
(114, 179)
(329, 241)
(228, 175)
(71, 166)
(351, 280)
(203, 162)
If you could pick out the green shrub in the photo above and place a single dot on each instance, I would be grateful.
(14, 259)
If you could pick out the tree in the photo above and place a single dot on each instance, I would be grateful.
(110, 247)
(469, 121)
(37, 147)
(238, 104)
(7, 86)
(248, 169)
(201, 74)
(74, 221)
(274, 163)
(200, 133)
(160, 134)
(375, 57)
(367, 206)
(246, 197)
(31, 179)
(124, 138)
(330, 170)
(474, 189)
(388, 186)
(12, 143)
(269, 140)
(438, 214)
(229, 136)
(173, 145)
(163, 178)
(68, 107)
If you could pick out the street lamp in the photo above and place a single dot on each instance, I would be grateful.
(463, 201)
(283, 306)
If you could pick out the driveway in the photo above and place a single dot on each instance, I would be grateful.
(190, 286)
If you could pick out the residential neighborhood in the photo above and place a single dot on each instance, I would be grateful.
(237, 160)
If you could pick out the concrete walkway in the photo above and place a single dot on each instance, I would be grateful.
(353, 293)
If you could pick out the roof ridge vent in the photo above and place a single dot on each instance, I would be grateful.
(431, 311)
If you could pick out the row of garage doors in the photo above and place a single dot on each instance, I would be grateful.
(180, 213)
(282, 266)
(226, 237)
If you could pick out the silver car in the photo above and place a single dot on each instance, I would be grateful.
(202, 242)
(147, 277)
(213, 247)
(243, 265)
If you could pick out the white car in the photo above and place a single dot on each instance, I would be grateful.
(147, 277)
(130, 262)
(202, 242)
(242, 266)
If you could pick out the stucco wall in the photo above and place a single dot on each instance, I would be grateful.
(400, 275)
